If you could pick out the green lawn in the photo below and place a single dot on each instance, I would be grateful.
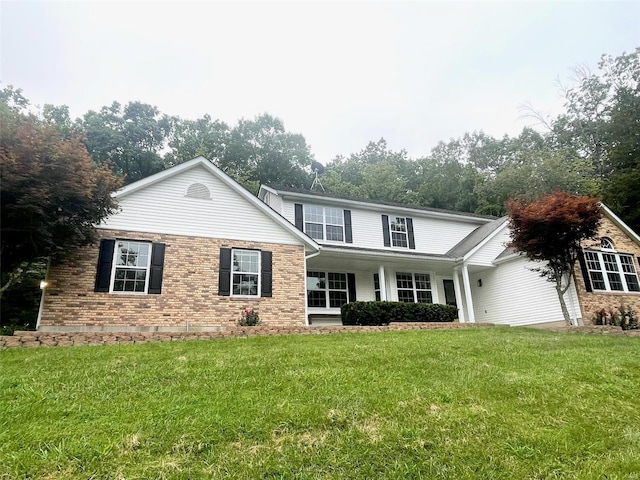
(493, 403)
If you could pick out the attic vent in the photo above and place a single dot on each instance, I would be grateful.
(198, 190)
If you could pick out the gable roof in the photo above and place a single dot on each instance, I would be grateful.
(476, 238)
(366, 202)
(618, 221)
(229, 182)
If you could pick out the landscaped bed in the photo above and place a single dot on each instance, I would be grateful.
(466, 403)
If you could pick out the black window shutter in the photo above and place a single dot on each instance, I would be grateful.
(585, 272)
(157, 267)
(412, 242)
(105, 261)
(348, 235)
(298, 217)
(267, 275)
(351, 286)
(224, 277)
(385, 230)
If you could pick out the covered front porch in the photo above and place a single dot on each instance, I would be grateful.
(340, 275)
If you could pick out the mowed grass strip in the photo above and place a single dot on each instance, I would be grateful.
(493, 403)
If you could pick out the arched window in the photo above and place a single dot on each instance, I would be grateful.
(198, 190)
(606, 244)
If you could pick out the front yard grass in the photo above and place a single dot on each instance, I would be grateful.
(493, 403)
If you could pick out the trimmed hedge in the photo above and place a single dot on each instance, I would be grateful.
(384, 313)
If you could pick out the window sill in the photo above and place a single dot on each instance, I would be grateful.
(612, 292)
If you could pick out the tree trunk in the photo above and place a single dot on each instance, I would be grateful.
(563, 305)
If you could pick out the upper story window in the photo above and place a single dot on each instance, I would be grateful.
(324, 223)
(398, 228)
(398, 232)
(606, 244)
(611, 271)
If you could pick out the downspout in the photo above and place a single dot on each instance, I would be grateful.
(467, 293)
(43, 286)
(306, 306)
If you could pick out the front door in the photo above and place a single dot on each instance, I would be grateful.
(449, 293)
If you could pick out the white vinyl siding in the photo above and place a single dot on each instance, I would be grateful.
(164, 208)
(487, 253)
(512, 294)
(432, 235)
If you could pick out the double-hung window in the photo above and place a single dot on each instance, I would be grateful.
(611, 271)
(398, 228)
(131, 266)
(327, 289)
(398, 232)
(246, 272)
(324, 223)
(376, 286)
(414, 287)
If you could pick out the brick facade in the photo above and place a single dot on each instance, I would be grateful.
(189, 288)
(592, 302)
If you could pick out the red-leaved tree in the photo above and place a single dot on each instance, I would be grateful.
(52, 193)
(551, 230)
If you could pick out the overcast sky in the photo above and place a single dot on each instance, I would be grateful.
(340, 73)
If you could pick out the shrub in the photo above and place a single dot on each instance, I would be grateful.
(249, 318)
(384, 313)
(628, 318)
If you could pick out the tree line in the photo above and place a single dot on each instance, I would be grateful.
(591, 148)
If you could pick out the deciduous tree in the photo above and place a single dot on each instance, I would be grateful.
(52, 192)
(551, 230)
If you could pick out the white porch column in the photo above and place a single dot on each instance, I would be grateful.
(467, 293)
(456, 287)
(383, 283)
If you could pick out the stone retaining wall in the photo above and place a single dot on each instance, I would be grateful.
(52, 339)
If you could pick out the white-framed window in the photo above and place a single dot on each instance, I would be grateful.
(398, 230)
(376, 286)
(130, 272)
(245, 273)
(327, 289)
(606, 244)
(610, 271)
(414, 287)
(324, 223)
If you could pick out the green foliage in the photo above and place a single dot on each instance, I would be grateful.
(52, 192)
(21, 300)
(194, 138)
(261, 151)
(249, 318)
(494, 403)
(384, 313)
(130, 139)
(551, 230)
(625, 317)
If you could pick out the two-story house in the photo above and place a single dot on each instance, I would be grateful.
(190, 248)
